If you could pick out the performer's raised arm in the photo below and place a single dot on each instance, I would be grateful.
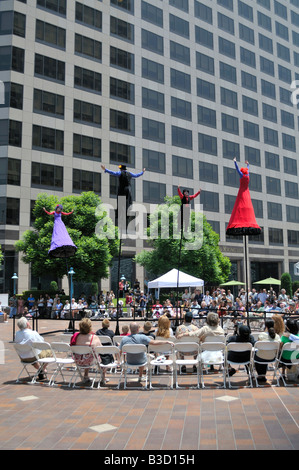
(67, 213)
(49, 213)
(136, 175)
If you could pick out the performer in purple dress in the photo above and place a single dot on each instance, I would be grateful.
(62, 245)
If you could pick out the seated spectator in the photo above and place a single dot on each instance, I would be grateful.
(291, 327)
(58, 308)
(138, 338)
(268, 335)
(164, 330)
(85, 337)
(4, 313)
(66, 309)
(187, 325)
(212, 328)
(243, 336)
(105, 331)
(147, 329)
(27, 335)
(278, 323)
(124, 330)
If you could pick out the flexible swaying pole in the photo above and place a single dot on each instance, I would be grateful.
(246, 280)
(179, 265)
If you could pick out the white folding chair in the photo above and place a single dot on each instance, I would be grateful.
(115, 353)
(45, 361)
(238, 348)
(26, 349)
(156, 358)
(65, 364)
(105, 339)
(85, 358)
(293, 348)
(212, 354)
(117, 339)
(214, 339)
(191, 350)
(272, 349)
(128, 362)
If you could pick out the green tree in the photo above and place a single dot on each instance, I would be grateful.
(286, 283)
(200, 256)
(94, 254)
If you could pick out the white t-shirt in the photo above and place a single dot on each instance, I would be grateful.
(25, 336)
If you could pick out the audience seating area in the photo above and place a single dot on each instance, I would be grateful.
(184, 364)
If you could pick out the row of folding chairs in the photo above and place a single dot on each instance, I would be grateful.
(64, 360)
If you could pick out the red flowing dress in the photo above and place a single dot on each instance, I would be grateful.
(242, 220)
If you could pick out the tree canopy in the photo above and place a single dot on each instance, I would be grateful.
(200, 254)
(94, 254)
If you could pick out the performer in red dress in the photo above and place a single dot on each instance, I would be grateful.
(242, 220)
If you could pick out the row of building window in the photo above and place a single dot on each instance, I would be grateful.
(53, 139)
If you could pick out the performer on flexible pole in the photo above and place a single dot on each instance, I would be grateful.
(185, 206)
(242, 220)
(62, 245)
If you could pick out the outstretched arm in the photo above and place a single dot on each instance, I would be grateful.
(237, 168)
(136, 175)
(194, 195)
(180, 193)
(115, 173)
(49, 213)
(67, 213)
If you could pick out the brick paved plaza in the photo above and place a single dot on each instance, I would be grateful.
(37, 417)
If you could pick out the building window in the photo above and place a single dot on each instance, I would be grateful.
(274, 211)
(122, 59)
(181, 109)
(247, 57)
(86, 181)
(209, 201)
(152, 42)
(207, 144)
(12, 211)
(256, 182)
(250, 105)
(58, 6)
(205, 63)
(122, 90)
(88, 79)
(289, 142)
(252, 155)
(230, 149)
(293, 238)
(258, 208)
(46, 138)
(246, 34)
(179, 53)
(208, 172)
(48, 103)
(181, 137)
(153, 130)
(46, 176)
(88, 16)
(290, 165)
(122, 153)
(152, 14)
(230, 124)
(10, 133)
(205, 89)
(206, 116)
(245, 10)
(248, 81)
(268, 89)
(180, 4)
(154, 192)
(229, 98)
(272, 161)
(291, 189)
(273, 185)
(292, 214)
(228, 72)
(154, 161)
(226, 23)
(127, 5)
(121, 121)
(265, 43)
(88, 47)
(153, 100)
(182, 166)
(231, 177)
(204, 37)
(85, 146)
(269, 112)
(87, 112)
(180, 80)
(251, 130)
(50, 34)
(121, 29)
(14, 171)
(275, 236)
(49, 68)
(178, 26)
(152, 70)
(267, 66)
(287, 119)
(226, 48)
(203, 12)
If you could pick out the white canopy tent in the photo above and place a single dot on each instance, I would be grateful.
(171, 279)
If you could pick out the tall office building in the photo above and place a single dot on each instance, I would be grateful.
(179, 87)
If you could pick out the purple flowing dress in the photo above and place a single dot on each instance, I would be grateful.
(62, 245)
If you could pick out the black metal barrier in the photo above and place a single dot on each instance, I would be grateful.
(147, 314)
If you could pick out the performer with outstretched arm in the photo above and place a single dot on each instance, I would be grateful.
(185, 206)
(62, 245)
(124, 186)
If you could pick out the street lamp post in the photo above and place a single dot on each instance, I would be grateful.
(14, 277)
(72, 322)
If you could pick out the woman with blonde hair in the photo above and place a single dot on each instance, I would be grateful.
(278, 324)
(164, 330)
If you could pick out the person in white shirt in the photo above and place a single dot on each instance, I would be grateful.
(27, 335)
